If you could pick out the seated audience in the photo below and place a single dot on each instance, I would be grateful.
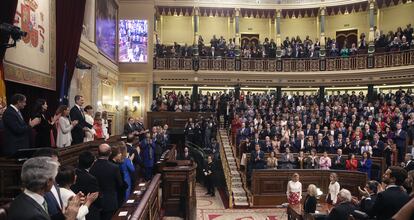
(65, 126)
(339, 162)
(257, 158)
(65, 179)
(309, 206)
(333, 188)
(301, 160)
(288, 160)
(294, 190)
(369, 195)
(343, 208)
(312, 161)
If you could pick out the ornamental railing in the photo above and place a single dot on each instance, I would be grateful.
(357, 62)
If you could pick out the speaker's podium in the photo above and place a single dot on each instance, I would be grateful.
(178, 191)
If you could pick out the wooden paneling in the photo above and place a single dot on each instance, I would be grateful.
(269, 186)
(175, 120)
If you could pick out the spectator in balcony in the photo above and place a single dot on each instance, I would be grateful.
(395, 44)
(405, 45)
(408, 33)
(362, 41)
(377, 34)
(333, 52)
(344, 51)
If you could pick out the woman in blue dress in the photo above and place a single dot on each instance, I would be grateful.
(365, 163)
(127, 169)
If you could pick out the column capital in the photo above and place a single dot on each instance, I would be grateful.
(278, 13)
(322, 11)
(237, 12)
(371, 4)
(196, 11)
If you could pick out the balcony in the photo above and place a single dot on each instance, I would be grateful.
(358, 62)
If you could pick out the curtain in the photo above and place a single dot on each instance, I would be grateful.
(7, 12)
(69, 21)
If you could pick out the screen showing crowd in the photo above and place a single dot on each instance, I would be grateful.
(133, 41)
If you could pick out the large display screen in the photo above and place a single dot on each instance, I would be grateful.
(106, 17)
(133, 41)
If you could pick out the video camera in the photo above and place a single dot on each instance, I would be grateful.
(7, 31)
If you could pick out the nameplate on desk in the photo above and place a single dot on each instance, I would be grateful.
(123, 213)
(141, 184)
(130, 201)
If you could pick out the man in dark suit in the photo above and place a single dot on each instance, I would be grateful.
(86, 183)
(393, 198)
(129, 127)
(300, 143)
(377, 146)
(400, 141)
(257, 158)
(186, 155)
(109, 180)
(408, 162)
(338, 162)
(17, 132)
(77, 114)
(357, 143)
(148, 148)
(209, 171)
(37, 176)
(344, 206)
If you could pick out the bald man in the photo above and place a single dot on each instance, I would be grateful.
(110, 182)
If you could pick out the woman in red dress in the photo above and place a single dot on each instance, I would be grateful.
(352, 163)
(97, 125)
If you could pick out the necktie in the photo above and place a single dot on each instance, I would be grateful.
(150, 151)
(45, 206)
(81, 110)
(21, 116)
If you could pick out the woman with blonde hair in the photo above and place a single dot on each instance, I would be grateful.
(309, 206)
(294, 190)
(333, 189)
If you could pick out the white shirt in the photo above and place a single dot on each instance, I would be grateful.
(66, 194)
(36, 197)
(294, 187)
(334, 190)
(56, 195)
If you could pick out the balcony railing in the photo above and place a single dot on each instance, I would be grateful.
(358, 62)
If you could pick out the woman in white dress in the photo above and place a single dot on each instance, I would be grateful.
(89, 132)
(333, 189)
(66, 178)
(64, 128)
(294, 190)
(105, 125)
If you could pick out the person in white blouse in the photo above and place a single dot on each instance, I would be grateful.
(105, 125)
(64, 128)
(66, 178)
(89, 132)
(294, 190)
(333, 189)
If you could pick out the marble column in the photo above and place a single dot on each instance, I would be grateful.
(237, 30)
(277, 31)
(371, 35)
(322, 13)
(95, 88)
(196, 21)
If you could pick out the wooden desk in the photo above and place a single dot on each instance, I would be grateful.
(269, 186)
(178, 191)
(295, 212)
(142, 206)
(175, 120)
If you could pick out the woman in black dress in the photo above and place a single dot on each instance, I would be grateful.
(43, 129)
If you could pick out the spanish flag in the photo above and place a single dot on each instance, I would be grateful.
(2, 87)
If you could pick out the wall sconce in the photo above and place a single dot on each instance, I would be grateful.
(127, 105)
(117, 105)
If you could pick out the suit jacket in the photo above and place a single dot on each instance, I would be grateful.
(341, 165)
(25, 208)
(148, 153)
(366, 204)
(341, 211)
(257, 164)
(400, 140)
(53, 208)
(110, 183)
(409, 166)
(310, 204)
(17, 131)
(77, 132)
(389, 202)
(42, 138)
(128, 129)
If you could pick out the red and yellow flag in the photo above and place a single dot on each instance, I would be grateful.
(2, 87)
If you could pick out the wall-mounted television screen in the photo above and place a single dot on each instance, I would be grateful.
(133, 41)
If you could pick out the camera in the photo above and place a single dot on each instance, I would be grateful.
(7, 31)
